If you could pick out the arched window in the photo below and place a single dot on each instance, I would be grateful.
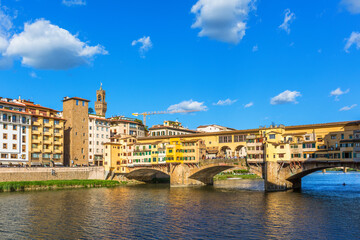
(99, 98)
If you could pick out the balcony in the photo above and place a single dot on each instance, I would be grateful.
(49, 142)
(47, 133)
(49, 125)
(36, 132)
(47, 150)
(57, 135)
(35, 140)
(58, 151)
(36, 123)
(58, 126)
(57, 143)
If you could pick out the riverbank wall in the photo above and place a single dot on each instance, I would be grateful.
(56, 173)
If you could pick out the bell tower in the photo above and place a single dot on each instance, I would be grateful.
(100, 104)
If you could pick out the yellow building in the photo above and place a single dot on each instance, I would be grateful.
(46, 135)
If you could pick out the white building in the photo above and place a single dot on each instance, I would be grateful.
(126, 126)
(169, 128)
(99, 133)
(213, 128)
(14, 133)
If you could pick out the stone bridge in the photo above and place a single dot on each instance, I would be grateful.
(186, 174)
(284, 175)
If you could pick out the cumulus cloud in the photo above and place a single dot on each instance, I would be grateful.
(353, 6)
(222, 20)
(285, 97)
(70, 3)
(43, 45)
(338, 92)
(347, 108)
(250, 104)
(145, 45)
(289, 17)
(225, 102)
(188, 106)
(354, 39)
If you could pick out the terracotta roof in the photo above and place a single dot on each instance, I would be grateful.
(96, 117)
(76, 98)
(12, 111)
(318, 125)
(122, 120)
(39, 106)
(172, 128)
(13, 103)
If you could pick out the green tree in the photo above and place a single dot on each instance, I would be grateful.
(91, 110)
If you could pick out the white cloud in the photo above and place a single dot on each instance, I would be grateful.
(337, 92)
(145, 43)
(255, 48)
(33, 75)
(354, 39)
(223, 20)
(347, 108)
(250, 104)
(70, 3)
(43, 45)
(225, 102)
(289, 17)
(353, 6)
(285, 97)
(188, 105)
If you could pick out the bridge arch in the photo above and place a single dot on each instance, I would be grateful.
(225, 151)
(206, 174)
(240, 151)
(148, 174)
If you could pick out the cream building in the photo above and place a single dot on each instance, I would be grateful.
(213, 128)
(169, 128)
(99, 133)
(126, 126)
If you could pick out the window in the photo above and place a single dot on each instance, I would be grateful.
(272, 136)
(83, 103)
(225, 139)
(13, 156)
(5, 126)
(14, 127)
(34, 128)
(5, 136)
(77, 102)
(14, 118)
(14, 137)
(4, 145)
(35, 155)
(46, 129)
(23, 148)
(4, 155)
(46, 120)
(23, 119)
(14, 146)
(23, 130)
(342, 136)
(46, 155)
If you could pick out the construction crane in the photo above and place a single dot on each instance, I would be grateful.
(144, 114)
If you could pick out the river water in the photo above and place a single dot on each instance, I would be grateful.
(324, 209)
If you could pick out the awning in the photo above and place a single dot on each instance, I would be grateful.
(58, 164)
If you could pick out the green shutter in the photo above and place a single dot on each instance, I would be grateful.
(304, 145)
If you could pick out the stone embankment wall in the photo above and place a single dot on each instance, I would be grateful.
(57, 173)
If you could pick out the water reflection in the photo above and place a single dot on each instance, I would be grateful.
(161, 212)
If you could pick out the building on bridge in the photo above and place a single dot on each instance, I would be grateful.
(169, 128)
(213, 128)
(282, 154)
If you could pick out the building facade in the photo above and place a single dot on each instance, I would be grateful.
(15, 124)
(339, 141)
(169, 128)
(46, 135)
(213, 128)
(126, 126)
(99, 133)
(75, 112)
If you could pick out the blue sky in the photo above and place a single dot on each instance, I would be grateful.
(189, 54)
